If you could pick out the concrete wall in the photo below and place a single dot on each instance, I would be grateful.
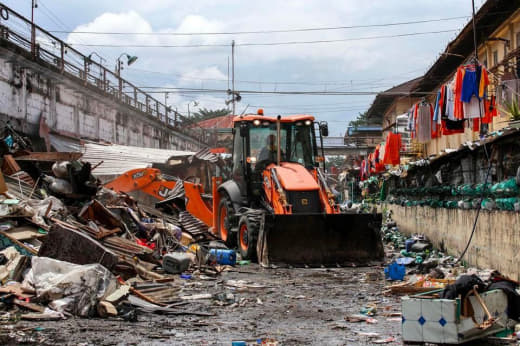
(495, 244)
(28, 92)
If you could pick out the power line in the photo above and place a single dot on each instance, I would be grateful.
(251, 44)
(345, 81)
(260, 31)
(297, 92)
(54, 18)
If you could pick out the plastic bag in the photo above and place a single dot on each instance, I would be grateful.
(507, 188)
(59, 169)
(467, 190)
(72, 288)
(507, 203)
(488, 204)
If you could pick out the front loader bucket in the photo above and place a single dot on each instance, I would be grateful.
(316, 239)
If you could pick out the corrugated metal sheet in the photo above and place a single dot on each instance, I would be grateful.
(117, 159)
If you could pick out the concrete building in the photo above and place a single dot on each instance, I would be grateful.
(48, 87)
(450, 219)
(498, 40)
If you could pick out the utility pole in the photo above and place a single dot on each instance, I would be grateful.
(228, 72)
(166, 108)
(233, 72)
(33, 29)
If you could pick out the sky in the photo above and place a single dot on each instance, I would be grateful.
(362, 59)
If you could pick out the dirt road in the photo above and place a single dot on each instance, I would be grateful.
(292, 306)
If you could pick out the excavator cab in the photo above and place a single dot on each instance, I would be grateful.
(278, 207)
(258, 149)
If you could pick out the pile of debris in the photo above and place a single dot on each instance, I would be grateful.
(416, 256)
(69, 247)
(484, 302)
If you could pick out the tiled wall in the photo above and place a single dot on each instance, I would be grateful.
(439, 320)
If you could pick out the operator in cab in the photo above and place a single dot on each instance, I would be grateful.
(269, 152)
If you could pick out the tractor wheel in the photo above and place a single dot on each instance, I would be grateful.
(225, 209)
(247, 235)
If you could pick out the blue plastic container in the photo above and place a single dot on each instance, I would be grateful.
(408, 244)
(238, 343)
(222, 256)
(395, 271)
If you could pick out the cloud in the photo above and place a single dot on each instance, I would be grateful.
(361, 64)
(208, 73)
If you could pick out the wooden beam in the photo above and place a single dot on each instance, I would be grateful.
(50, 156)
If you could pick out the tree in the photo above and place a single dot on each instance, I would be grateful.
(361, 120)
(205, 114)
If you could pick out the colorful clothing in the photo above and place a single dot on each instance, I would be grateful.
(393, 149)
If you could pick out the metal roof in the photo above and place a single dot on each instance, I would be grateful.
(384, 100)
(489, 18)
(117, 159)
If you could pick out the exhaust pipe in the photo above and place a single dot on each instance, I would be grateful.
(278, 141)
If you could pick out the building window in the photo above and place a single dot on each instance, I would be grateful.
(495, 57)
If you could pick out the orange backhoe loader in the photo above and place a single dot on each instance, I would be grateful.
(277, 206)
(147, 180)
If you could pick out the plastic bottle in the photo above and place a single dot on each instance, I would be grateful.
(222, 256)
(58, 185)
(59, 169)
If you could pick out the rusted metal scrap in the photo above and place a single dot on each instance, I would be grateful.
(66, 244)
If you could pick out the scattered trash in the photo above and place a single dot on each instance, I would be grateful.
(395, 271)
(368, 334)
(384, 341)
(369, 310)
(175, 263)
(224, 256)
(70, 247)
(360, 318)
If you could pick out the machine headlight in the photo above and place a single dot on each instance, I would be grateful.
(256, 122)
(308, 122)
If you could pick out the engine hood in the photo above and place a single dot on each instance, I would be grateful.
(295, 177)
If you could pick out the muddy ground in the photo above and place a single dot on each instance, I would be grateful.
(296, 307)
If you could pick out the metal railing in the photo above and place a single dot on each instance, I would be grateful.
(46, 48)
(363, 142)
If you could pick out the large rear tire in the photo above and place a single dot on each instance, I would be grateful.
(225, 209)
(248, 227)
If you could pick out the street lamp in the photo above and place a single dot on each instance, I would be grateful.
(195, 104)
(130, 59)
(101, 59)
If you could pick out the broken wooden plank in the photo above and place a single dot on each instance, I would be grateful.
(41, 317)
(118, 294)
(18, 290)
(50, 156)
(9, 166)
(106, 309)
(29, 306)
(3, 186)
(24, 233)
(146, 306)
(19, 244)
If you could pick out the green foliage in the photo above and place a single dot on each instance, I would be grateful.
(361, 120)
(202, 114)
(205, 114)
(513, 110)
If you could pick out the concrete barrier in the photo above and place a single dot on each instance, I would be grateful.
(495, 244)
